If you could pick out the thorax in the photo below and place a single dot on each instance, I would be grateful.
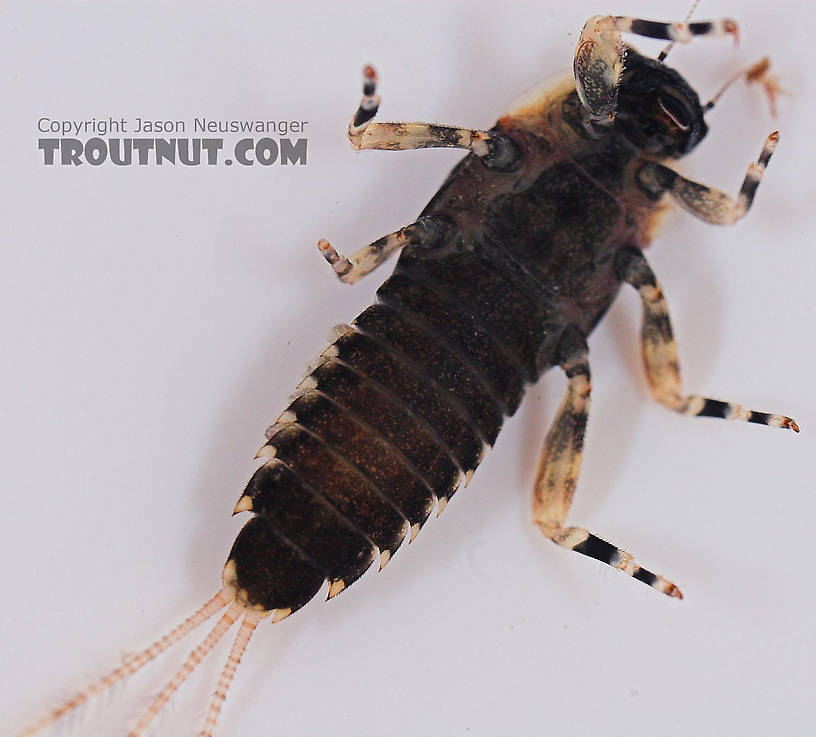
(545, 234)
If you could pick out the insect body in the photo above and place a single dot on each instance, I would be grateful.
(502, 277)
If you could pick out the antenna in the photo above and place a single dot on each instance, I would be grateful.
(756, 74)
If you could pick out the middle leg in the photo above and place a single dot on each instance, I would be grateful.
(495, 150)
(660, 352)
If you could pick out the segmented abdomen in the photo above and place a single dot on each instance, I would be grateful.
(395, 416)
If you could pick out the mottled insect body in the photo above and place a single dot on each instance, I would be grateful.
(503, 276)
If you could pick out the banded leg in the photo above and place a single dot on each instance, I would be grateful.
(706, 203)
(494, 149)
(368, 107)
(427, 232)
(660, 353)
(598, 63)
(558, 473)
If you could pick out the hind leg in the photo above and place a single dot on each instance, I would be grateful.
(427, 232)
(599, 58)
(495, 150)
(558, 472)
(660, 353)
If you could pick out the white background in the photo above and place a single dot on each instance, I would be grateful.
(154, 320)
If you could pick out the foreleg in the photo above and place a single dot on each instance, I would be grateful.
(706, 203)
(599, 58)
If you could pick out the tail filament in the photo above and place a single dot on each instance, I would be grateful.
(135, 662)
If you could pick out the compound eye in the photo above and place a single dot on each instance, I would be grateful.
(675, 112)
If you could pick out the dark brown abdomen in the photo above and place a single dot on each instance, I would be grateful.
(400, 410)
(396, 416)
